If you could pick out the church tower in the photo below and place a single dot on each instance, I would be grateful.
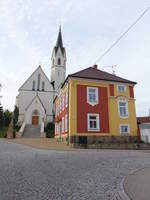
(58, 67)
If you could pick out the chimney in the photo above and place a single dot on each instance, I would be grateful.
(95, 66)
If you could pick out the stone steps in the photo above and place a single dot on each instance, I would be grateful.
(31, 131)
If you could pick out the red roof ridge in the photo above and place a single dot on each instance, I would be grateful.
(89, 73)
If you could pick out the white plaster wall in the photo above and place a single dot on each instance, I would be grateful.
(28, 84)
(145, 135)
(58, 72)
(25, 99)
(26, 96)
(29, 112)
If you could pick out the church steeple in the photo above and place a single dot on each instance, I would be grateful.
(59, 42)
(58, 68)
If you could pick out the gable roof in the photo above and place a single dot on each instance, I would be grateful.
(39, 67)
(36, 96)
(141, 120)
(96, 74)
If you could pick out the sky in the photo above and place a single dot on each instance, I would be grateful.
(29, 29)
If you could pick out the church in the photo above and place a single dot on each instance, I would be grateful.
(36, 95)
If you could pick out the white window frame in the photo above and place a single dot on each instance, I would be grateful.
(127, 109)
(62, 125)
(97, 122)
(63, 102)
(125, 133)
(96, 94)
(66, 99)
(57, 108)
(121, 91)
(66, 123)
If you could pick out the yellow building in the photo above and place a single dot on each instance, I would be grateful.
(93, 106)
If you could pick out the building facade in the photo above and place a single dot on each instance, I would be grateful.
(94, 104)
(36, 95)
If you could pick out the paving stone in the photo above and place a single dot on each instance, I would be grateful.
(32, 174)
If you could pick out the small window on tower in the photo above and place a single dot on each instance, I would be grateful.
(59, 61)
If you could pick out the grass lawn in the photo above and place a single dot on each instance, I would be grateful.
(3, 132)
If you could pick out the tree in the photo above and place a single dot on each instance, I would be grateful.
(15, 120)
(15, 115)
(7, 117)
(1, 116)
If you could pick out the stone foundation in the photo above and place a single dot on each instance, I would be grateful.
(114, 142)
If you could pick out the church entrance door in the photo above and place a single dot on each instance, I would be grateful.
(35, 120)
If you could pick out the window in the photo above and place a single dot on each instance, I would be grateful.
(59, 61)
(43, 85)
(93, 122)
(66, 123)
(63, 102)
(123, 108)
(92, 95)
(33, 85)
(35, 113)
(62, 129)
(121, 88)
(56, 109)
(38, 85)
(124, 129)
(60, 106)
(66, 99)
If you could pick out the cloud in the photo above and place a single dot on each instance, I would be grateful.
(29, 31)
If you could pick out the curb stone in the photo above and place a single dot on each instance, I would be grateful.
(122, 193)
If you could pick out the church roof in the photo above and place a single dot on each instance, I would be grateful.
(37, 69)
(36, 96)
(96, 74)
(59, 42)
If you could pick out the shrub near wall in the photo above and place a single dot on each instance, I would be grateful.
(3, 132)
(50, 130)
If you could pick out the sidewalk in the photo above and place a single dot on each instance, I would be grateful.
(42, 143)
(137, 185)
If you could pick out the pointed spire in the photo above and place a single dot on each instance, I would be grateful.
(59, 42)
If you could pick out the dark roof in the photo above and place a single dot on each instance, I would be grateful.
(59, 42)
(94, 73)
(141, 120)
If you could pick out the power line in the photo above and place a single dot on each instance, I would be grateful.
(123, 34)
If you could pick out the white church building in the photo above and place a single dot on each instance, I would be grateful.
(36, 95)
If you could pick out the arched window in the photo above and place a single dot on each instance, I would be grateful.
(59, 61)
(38, 85)
(33, 85)
(43, 85)
(35, 113)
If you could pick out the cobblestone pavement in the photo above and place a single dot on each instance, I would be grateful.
(32, 174)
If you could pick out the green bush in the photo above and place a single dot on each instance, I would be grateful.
(15, 120)
(50, 130)
(3, 132)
